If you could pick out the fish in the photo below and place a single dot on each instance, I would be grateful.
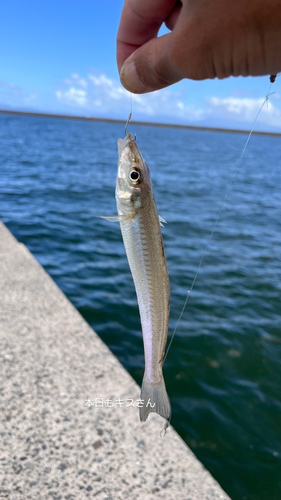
(141, 231)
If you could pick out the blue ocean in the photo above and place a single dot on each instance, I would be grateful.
(223, 371)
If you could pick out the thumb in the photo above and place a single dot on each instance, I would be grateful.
(150, 67)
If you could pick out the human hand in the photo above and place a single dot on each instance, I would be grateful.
(208, 39)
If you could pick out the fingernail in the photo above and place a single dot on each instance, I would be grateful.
(130, 80)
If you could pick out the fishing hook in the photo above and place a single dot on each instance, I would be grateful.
(130, 116)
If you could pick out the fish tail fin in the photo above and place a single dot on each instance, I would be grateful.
(155, 399)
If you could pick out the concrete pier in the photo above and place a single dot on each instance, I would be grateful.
(52, 444)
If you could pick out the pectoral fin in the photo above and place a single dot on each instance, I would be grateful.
(116, 218)
(161, 220)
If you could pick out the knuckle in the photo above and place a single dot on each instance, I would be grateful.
(191, 52)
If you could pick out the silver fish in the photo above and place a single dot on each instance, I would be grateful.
(140, 227)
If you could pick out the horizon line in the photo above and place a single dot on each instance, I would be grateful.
(142, 123)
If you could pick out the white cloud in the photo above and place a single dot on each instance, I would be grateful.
(78, 80)
(10, 88)
(100, 95)
(245, 110)
(30, 97)
(103, 96)
(13, 96)
(96, 94)
(243, 107)
(73, 96)
(101, 80)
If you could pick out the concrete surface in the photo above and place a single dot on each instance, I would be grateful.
(53, 446)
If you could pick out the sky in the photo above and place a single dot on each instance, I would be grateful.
(60, 57)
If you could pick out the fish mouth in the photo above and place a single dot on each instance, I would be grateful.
(133, 149)
(122, 143)
(128, 138)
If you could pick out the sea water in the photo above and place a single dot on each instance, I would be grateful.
(223, 371)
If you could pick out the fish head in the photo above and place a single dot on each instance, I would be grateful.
(133, 185)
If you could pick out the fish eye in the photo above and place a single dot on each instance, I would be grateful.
(135, 176)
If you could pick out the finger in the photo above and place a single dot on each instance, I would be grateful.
(173, 16)
(186, 52)
(151, 66)
(140, 22)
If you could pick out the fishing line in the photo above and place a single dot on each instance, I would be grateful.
(130, 115)
(272, 80)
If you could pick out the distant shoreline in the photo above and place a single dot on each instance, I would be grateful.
(150, 124)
